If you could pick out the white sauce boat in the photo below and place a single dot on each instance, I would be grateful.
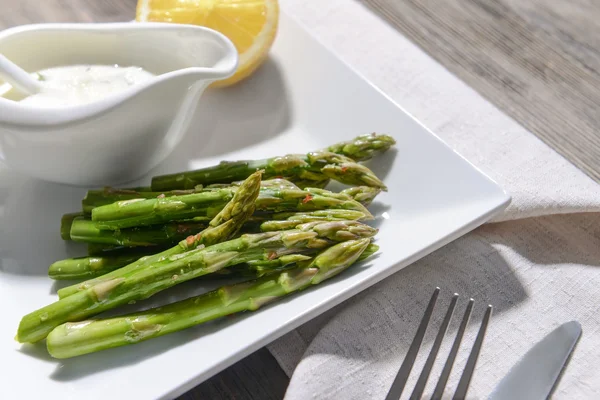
(120, 137)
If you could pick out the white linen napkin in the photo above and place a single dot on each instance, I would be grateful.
(540, 267)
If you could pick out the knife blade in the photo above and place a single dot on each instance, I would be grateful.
(535, 374)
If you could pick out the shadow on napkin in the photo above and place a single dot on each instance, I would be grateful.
(393, 308)
(527, 269)
(557, 242)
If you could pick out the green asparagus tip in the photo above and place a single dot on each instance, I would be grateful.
(363, 147)
(353, 174)
(363, 194)
(339, 230)
(369, 251)
(337, 258)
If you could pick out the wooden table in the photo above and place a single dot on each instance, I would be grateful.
(537, 60)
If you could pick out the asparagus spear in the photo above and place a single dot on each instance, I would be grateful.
(223, 226)
(262, 268)
(363, 147)
(65, 224)
(101, 259)
(109, 195)
(73, 339)
(84, 230)
(140, 283)
(108, 250)
(338, 231)
(352, 173)
(131, 213)
(182, 207)
(369, 251)
(328, 193)
(292, 167)
(88, 267)
(275, 183)
(258, 268)
(363, 194)
(283, 221)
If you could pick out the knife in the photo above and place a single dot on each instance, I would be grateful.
(535, 374)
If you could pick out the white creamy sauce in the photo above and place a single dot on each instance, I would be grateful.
(80, 84)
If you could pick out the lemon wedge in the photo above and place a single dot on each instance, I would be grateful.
(250, 24)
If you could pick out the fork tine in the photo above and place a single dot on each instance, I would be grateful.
(441, 385)
(465, 379)
(422, 381)
(404, 372)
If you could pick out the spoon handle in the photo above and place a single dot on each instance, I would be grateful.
(17, 77)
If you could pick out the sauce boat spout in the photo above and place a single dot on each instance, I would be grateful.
(120, 137)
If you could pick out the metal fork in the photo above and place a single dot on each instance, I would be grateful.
(463, 385)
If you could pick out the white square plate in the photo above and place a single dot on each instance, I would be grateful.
(303, 99)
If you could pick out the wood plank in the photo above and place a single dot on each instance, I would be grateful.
(537, 60)
(258, 376)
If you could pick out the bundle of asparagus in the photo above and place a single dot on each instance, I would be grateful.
(121, 225)
(294, 234)
(73, 339)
